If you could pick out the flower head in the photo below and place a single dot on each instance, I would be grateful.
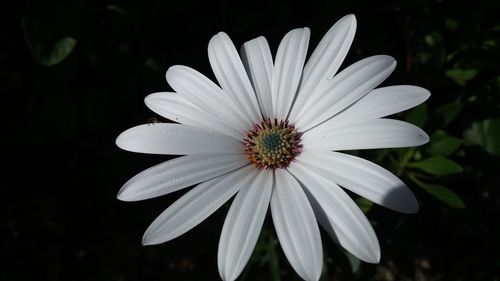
(269, 135)
(272, 144)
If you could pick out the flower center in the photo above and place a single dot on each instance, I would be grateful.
(272, 144)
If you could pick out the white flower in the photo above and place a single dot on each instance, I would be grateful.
(268, 135)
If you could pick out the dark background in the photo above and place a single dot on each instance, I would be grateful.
(62, 105)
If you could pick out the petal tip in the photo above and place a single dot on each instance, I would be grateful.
(126, 141)
(377, 257)
(120, 141)
(149, 100)
(350, 18)
(426, 93)
(413, 209)
(124, 195)
(221, 35)
(413, 206)
(386, 59)
(170, 73)
(150, 238)
(146, 241)
(410, 205)
(424, 137)
(372, 257)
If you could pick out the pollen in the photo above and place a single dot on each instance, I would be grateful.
(272, 144)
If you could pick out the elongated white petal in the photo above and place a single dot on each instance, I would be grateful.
(258, 62)
(296, 226)
(196, 205)
(378, 103)
(344, 89)
(177, 108)
(345, 222)
(178, 173)
(206, 95)
(362, 177)
(288, 70)
(325, 60)
(368, 134)
(176, 139)
(230, 73)
(243, 224)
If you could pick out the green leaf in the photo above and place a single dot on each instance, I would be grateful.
(486, 134)
(490, 43)
(451, 23)
(433, 39)
(440, 192)
(116, 9)
(418, 115)
(45, 49)
(364, 204)
(449, 112)
(443, 144)
(354, 262)
(150, 63)
(461, 76)
(437, 165)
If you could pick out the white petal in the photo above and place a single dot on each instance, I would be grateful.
(196, 205)
(344, 89)
(296, 226)
(230, 73)
(326, 59)
(344, 220)
(178, 173)
(288, 70)
(368, 134)
(206, 95)
(177, 108)
(258, 61)
(362, 177)
(378, 103)
(176, 139)
(243, 224)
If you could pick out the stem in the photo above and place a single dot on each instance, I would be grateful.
(273, 259)
(404, 161)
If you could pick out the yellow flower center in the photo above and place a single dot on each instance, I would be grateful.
(272, 144)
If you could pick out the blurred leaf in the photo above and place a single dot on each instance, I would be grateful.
(486, 134)
(440, 192)
(417, 156)
(490, 43)
(443, 144)
(44, 48)
(434, 38)
(152, 64)
(3, 56)
(265, 253)
(364, 204)
(418, 115)
(451, 23)
(461, 76)
(437, 165)
(354, 262)
(116, 9)
(449, 112)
